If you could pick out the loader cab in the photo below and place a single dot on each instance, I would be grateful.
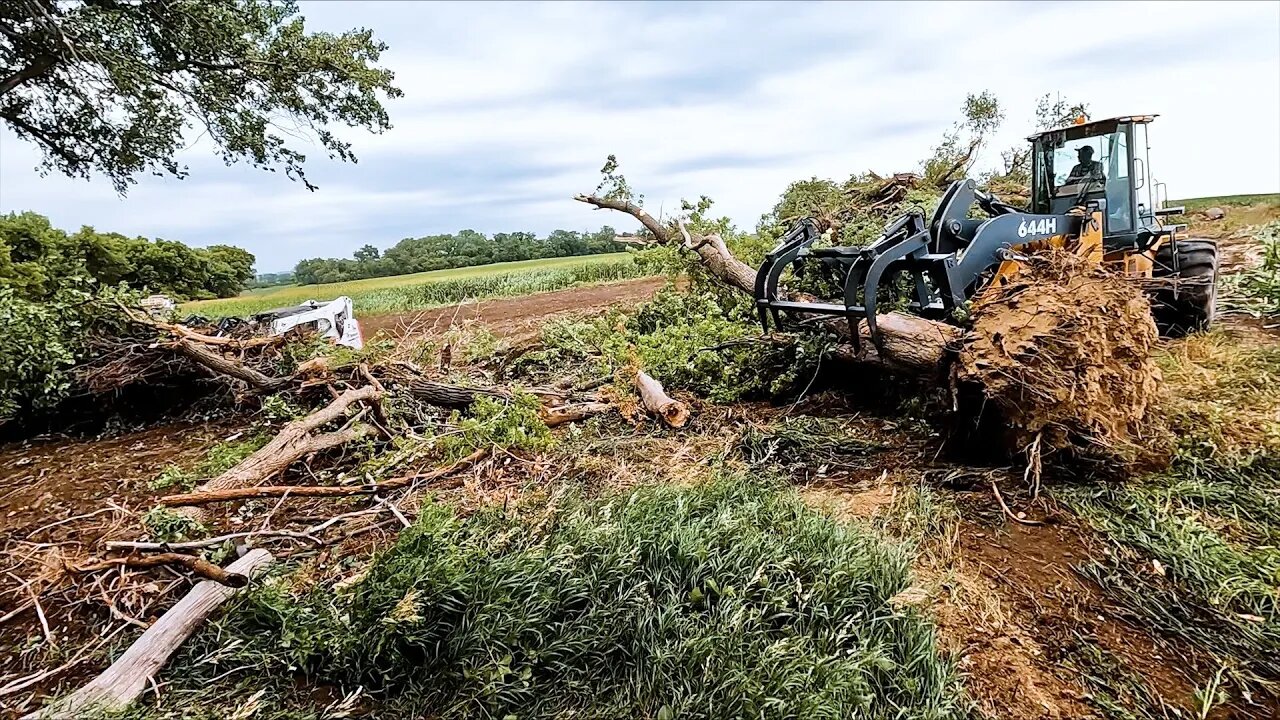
(1100, 164)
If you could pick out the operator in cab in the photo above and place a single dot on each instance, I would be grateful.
(1087, 170)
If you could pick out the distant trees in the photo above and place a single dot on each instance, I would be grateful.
(58, 291)
(463, 249)
(37, 259)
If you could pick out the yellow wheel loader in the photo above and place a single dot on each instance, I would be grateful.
(1090, 194)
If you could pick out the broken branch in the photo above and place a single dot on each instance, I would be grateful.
(125, 680)
(201, 567)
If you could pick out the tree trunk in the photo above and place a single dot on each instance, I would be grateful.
(128, 677)
(222, 366)
(295, 441)
(211, 496)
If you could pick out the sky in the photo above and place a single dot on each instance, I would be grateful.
(511, 109)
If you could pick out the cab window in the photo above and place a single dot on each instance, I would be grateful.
(1090, 168)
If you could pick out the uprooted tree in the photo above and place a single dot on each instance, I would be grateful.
(1063, 352)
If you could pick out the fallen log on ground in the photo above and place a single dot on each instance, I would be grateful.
(199, 566)
(294, 442)
(573, 412)
(129, 676)
(656, 400)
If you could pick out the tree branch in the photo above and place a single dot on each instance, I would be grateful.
(39, 66)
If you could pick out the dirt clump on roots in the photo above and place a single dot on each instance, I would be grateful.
(1065, 351)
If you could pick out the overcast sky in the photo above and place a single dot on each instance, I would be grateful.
(510, 109)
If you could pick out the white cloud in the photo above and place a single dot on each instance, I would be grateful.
(687, 95)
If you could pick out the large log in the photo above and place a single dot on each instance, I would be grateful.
(294, 442)
(128, 677)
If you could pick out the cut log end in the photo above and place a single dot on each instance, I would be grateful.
(656, 400)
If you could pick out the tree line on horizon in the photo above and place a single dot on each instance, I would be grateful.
(466, 248)
(38, 259)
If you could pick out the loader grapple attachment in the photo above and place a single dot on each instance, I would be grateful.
(903, 246)
(943, 262)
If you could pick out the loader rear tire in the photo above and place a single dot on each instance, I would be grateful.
(1191, 307)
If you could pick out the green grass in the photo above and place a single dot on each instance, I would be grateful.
(440, 287)
(727, 599)
(220, 458)
(1195, 204)
(1195, 550)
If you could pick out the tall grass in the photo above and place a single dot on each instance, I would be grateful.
(1257, 290)
(431, 289)
(729, 599)
(1196, 549)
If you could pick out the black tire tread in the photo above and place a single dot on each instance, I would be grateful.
(1193, 309)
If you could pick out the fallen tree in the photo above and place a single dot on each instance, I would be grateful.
(295, 441)
(1085, 361)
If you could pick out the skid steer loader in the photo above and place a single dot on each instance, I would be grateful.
(1090, 194)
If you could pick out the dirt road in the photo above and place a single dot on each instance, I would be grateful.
(512, 316)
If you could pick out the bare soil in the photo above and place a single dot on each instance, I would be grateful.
(512, 316)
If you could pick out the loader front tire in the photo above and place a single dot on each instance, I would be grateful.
(1190, 308)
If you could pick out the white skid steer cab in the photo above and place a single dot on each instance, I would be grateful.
(334, 320)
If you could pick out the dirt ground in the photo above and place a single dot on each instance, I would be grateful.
(61, 498)
(512, 316)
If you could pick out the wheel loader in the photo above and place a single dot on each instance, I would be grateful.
(1090, 194)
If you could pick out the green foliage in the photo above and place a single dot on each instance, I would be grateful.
(166, 525)
(220, 458)
(38, 260)
(467, 248)
(415, 292)
(1257, 289)
(958, 151)
(278, 408)
(687, 340)
(174, 476)
(45, 335)
(613, 186)
(110, 87)
(515, 424)
(665, 602)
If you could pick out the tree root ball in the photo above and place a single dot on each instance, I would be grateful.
(1064, 349)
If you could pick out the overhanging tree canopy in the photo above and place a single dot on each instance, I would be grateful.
(108, 86)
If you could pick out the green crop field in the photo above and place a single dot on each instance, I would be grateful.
(1195, 204)
(431, 289)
